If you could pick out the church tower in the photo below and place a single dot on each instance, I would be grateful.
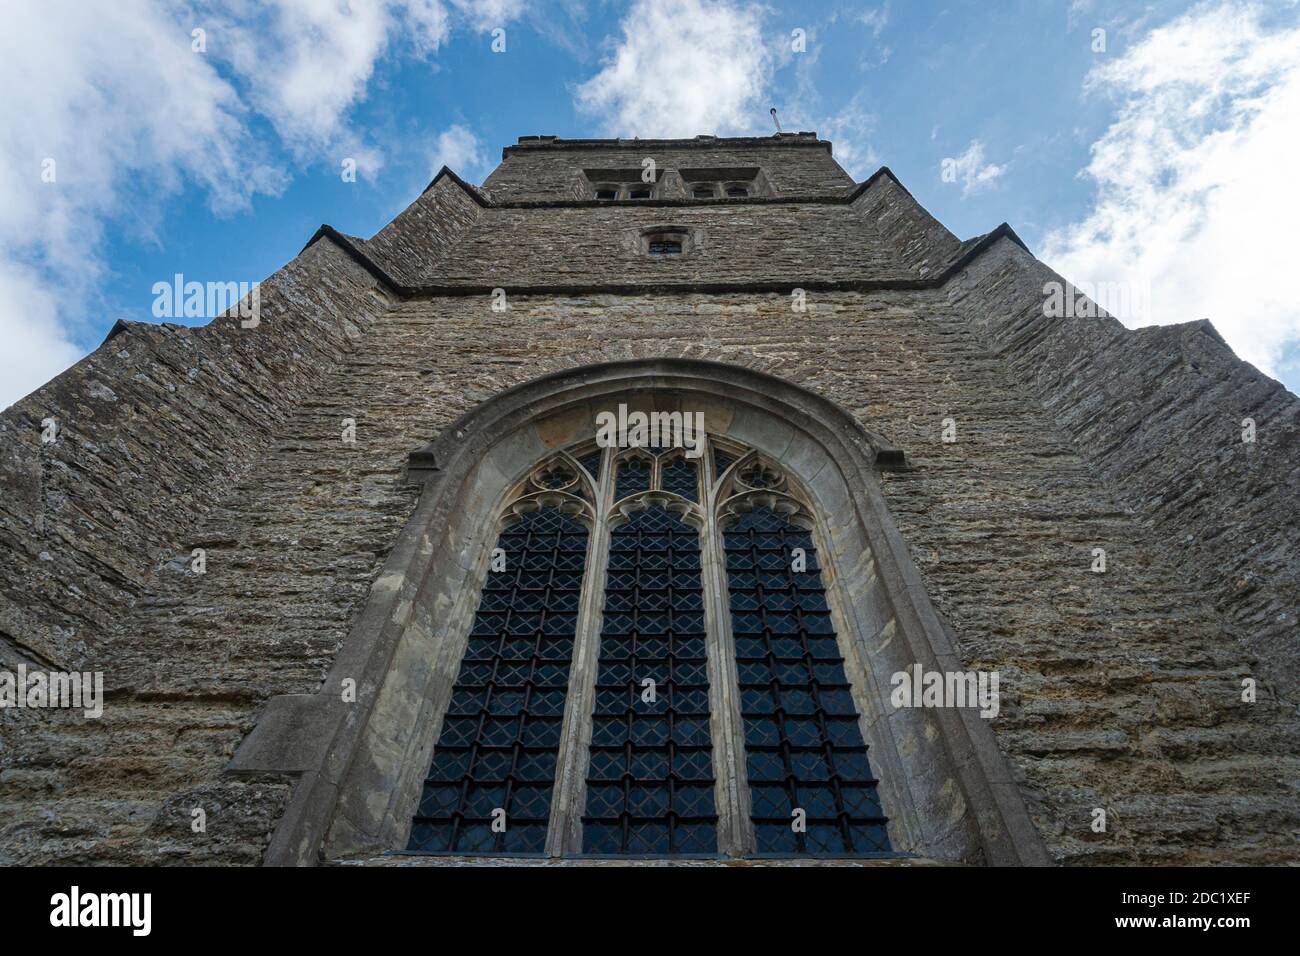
(656, 498)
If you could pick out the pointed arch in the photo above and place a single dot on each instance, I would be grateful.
(944, 785)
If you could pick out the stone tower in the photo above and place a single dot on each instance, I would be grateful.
(358, 576)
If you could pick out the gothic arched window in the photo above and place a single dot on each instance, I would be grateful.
(647, 617)
(805, 753)
(650, 776)
(573, 650)
(489, 787)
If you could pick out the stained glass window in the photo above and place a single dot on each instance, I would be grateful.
(803, 743)
(497, 749)
(650, 781)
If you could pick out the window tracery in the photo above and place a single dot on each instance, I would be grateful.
(495, 757)
(649, 741)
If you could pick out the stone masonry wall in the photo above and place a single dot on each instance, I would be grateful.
(737, 243)
(794, 166)
(920, 242)
(154, 429)
(1118, 689)
(882, 236)
(413, 246)
(1159, 412)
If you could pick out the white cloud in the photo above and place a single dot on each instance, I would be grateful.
(307, 62)
(489, 14)
(1197, 196)
(849, 129)
(875, 20)
(683, 67)
(123, 130)
(461, 151)
(1078, 10)
(850, 132)
(132, 116)
(970, 169)
(35, 347)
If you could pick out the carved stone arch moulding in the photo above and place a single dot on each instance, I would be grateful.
(360, 758)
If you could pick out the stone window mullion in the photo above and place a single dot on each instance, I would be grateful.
(565, 832)
(735, 828)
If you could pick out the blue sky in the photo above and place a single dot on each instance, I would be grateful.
(1159, 162)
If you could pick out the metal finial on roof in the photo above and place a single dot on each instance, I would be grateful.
(774, 119)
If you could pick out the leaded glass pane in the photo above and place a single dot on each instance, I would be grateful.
(591, 462)
(804, 746)
(650, 778)
(721, 462)
(633, 477)
(501, 732)
(679, 477)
